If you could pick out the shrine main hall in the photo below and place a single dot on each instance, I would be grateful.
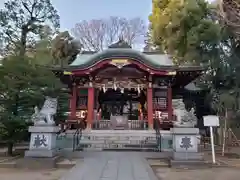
(134, 88)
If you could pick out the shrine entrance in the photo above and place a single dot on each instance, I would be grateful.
(121, 97)
(117, 103)
(127, 105)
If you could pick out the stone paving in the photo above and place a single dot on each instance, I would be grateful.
(112, 166)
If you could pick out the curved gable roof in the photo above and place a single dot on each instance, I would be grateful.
(151, 59)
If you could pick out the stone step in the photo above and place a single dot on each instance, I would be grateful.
(115, 132)
(106, 136)
(86, 147)
(68, 141)
(88, 144)
(119, 135)
(109, 136)
(117, 142)
(120, 140)
(120, 149)
(117, 138)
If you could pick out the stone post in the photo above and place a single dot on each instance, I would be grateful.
(185, 147)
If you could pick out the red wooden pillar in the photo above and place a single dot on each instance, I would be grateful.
(150, 106)
(141, 116)
(98, 115)
(90, 107)
(170, 110)
(73, 102)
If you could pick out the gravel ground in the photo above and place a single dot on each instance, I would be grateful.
(13, 174)
(200, 174)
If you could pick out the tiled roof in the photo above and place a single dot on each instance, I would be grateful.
(152, 59)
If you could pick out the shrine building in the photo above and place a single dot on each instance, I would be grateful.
(120, 81)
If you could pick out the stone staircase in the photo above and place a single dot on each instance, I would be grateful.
(118, 140)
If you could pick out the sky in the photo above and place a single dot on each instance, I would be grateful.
(79, 10)
(74, 11)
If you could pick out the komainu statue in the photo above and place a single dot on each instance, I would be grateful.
(65, 48)
(184, 118)
(46, 115)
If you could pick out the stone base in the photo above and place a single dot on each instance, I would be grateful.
(187, 156)
(187, 160)
(40, 153)
(38, 163)
(190, 164)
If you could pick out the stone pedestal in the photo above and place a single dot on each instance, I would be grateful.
(43, 141)
(42, 148)
(185, 147)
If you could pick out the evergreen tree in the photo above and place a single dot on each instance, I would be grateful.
(22, 87)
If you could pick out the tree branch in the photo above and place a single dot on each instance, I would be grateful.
(98, 34)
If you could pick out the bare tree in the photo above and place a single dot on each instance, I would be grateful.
(98, 34)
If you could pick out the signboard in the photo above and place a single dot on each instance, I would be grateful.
(171, 73)
(67, 73)
(160, 93)
(119, 62)
(211, 120)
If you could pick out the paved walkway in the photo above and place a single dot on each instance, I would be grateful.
(112, 166)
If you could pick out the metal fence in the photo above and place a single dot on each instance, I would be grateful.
(77, 136)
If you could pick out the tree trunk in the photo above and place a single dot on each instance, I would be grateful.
(15, 107)
(219, 134)
(216, 137)
(23, 42)
(10, 148)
